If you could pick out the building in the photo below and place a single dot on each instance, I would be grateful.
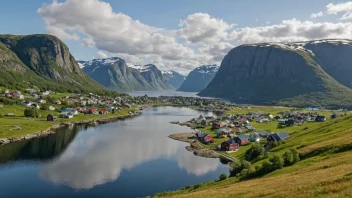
(242, 140)
(229, 145)
(51, 117)
(276, 137)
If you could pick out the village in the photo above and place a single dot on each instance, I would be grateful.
(233, 134)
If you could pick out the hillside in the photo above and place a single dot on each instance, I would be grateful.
(284, 73)
(43, 61)
(174, 78)
(324, 169)
(199, 78)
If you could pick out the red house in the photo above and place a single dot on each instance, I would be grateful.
(208, 139)
(229, 145)
(242, 140)
(103, 112)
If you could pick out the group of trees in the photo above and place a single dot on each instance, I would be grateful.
(244, 169)
(255, 151)
(31, 112)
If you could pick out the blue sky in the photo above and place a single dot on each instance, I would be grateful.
(152, 32)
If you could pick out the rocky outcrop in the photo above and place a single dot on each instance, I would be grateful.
(284, 73)
(46, 62)
(199, 78)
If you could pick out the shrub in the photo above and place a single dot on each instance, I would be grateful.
(288, 158)
(295, 155)
(31, 112)
(1, 115)
(222, 177)
(277, 162)
(44, 107)
(255, 151)
(267, 167)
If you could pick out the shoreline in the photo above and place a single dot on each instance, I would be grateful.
(53, 129)
(197, 148)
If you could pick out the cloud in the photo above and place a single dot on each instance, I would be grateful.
(316, 15)
(200, 39)
(345, 8)
(201, 28)
(101, 54)
(293, 30)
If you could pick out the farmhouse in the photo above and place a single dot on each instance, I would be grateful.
(229, 145)
(276, 137)
(51, 117)
(203, 137)
(242, 139)
(224, 132)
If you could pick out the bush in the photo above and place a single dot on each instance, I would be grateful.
(222, 177)
(267, 167)
(288, 158)
(255, 151)
(1, 115)
(238, 166)
(31, 112)
(277, 162)
(295, 155)
(44, 107)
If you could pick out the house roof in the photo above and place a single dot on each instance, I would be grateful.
(283, 135)
(230, 142)
(243, 137)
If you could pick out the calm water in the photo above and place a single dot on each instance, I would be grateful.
(163, 93)
(129, 158)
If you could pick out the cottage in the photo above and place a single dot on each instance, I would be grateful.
(320, 119)
(51, 117)
(224, 132)
(41, 100)
(51, 108)
(276, 137)
(229, 145)
(27, 103)
(263, 134)
(103, 112)
(242, 139)
(58, 102)
(250, 128)
(203, 137)
(93, 111)
(35, 106)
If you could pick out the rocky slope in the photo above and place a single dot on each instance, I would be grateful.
(199, 78)
(114, 74)
(174, 79)
(45, 61)
(296, 74)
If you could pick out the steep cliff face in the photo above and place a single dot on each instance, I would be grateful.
(199, 78)
(281, 73)
(45, 55)
(114, 74)
(44, 61)
(174, 78)
(335, 57)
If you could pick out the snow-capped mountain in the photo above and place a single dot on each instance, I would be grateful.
(174, 78)
(199, 78)
(115, 74)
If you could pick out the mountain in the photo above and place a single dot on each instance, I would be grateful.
(114, 74)
(43, 61)
(174, 79)
(153, 76)
(199, 78)
(297, 74)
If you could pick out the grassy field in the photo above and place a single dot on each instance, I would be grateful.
(9, 125)
(325, 169)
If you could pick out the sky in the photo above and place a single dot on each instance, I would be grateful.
(174, 34)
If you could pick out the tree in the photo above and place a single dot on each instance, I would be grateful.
(44, 107)
(31, 112)
(295, 155)
(277, 162)
(267, 167)
(288, 158)
(222, 177)
(255, 151)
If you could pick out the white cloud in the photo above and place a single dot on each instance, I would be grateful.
(293, 30)
(201, 28)
(345, 8)
(316, 15)
(101, 54)
(207, 39)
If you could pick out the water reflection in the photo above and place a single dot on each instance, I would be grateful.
(100, 154)
(39, 149)
(126, 158)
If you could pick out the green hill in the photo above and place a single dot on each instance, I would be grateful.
(324, 169)
(42, 61)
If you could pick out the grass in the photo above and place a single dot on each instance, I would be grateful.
(325, 169)
(33, 125)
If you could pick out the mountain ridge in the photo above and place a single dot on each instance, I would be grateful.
(199, 78)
